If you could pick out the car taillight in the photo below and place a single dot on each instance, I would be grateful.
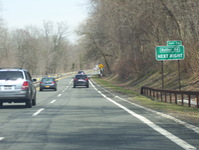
(25, 85)
(86, 79)
(41, 82)
(53, 82)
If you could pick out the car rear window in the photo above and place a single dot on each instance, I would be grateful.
(11, 75)
(81, 77)
(81, 72)
(48, 79)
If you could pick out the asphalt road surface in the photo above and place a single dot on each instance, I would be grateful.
(89, 119)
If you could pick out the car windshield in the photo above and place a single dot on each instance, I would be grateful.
(11, 75)
(81, 77)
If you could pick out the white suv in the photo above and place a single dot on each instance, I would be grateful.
(16, 85)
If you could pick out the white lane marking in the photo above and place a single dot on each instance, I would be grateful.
(1, 138)
(71, 81)
(53, 101)
(59, 95)
(65, 89)
(187, 125)
(157, 128)
(39, 111)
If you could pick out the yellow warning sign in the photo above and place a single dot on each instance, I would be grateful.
(101, 66)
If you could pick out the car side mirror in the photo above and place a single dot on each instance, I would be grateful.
(34, 80)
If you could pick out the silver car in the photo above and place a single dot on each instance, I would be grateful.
(16, 85)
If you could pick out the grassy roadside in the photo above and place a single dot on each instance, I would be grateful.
(187, 114)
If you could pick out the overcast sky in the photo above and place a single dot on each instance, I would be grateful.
(20, 13)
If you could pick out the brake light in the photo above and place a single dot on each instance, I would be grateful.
(86, 79)
(25, 85)
(41, 82)
(53, 82)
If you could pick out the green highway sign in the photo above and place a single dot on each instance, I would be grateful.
(169, 53)
(174, 43)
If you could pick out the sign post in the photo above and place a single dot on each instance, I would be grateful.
(162, 75)
(173, 51)
(101, 66)
(179, 77)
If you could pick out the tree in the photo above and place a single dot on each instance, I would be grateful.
(126, 32)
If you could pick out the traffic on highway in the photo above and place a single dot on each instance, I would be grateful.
(90, 119)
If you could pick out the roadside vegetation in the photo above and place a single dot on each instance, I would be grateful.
(123, 35)
(42, 51)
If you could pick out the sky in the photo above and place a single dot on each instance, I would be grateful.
(21, 13)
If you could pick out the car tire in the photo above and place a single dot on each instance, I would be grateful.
(74, 86)
(55, 89)
(29, 103)
(34, 100)
(41, 89)
(1, 104)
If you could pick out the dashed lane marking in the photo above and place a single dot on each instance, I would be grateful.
(53, 101)
(38, 112)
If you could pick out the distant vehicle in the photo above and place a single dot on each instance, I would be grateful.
(16, 86)
(81, 72)
(48, 83)
(81, 80)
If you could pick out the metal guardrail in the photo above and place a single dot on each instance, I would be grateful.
(185, 98)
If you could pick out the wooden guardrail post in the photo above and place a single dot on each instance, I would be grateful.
(157, 96)
(182, 96)
(176, 102)
(170, 98)
(189, 100)
(142, 91)
(150, 92)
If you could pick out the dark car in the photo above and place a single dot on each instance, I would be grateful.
(17, 86)
(48, 83)
(81, 80)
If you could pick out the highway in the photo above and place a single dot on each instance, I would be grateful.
(89, 119)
